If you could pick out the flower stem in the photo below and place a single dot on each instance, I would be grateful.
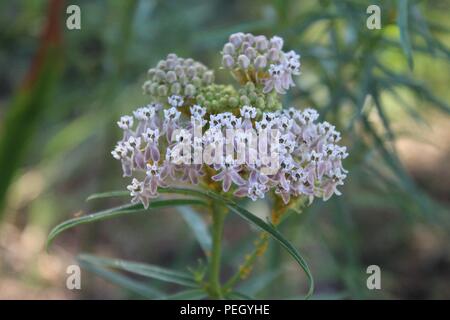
(218, 216)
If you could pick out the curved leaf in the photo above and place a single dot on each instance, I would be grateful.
(124, 193)
(109, 194)
(250, 217)
(146, 270)
(116, 211)
(122, 281)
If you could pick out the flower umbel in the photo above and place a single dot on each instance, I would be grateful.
(243, 138)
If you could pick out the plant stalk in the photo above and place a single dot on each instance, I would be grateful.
(218, 218)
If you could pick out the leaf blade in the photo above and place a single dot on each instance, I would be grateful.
(145, 270)
(198, 226)
(120, 210)
(402, 22)
(122, 281)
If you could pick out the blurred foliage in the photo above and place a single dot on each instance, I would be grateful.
(55, 137)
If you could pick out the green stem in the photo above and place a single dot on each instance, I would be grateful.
(218, 216)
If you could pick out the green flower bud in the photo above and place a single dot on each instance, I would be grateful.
(159, 76)
(162, 90)
(208, 77)
(244, 100)
(252, 96)
(250, 86)
(196, 82)
(189, 90)
(179, 70)
(171, 76)
(153, 89)
(214, 105)
(172, 56)
(233, 102)
(151, 72)
(191, 72)
(260, 103)
(175, 88)
(146, 86)
(223, 102)
(200, 68)
(161, 65)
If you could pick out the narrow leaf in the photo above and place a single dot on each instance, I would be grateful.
(250, 217)
(402, 22)
(235, 295)
(109, 194)
(122, 281)
(258, 283)
(116, 211)
(198, 226)
(193, 294)
(146, 270)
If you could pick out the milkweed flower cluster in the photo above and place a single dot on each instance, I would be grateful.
(250, 148)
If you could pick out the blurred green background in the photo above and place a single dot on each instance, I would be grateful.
(61, 92)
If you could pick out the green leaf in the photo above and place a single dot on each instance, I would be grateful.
(109, 194)
(258, 283)
(198, 226)
(146, 270)
(193, 294)
(235, 295)
(123, 193)
(402, 22)
(20, 120)
(121, 280)
(116, 211)
(250, 217)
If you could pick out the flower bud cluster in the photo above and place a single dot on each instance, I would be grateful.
(177, 76)
(261, 61)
